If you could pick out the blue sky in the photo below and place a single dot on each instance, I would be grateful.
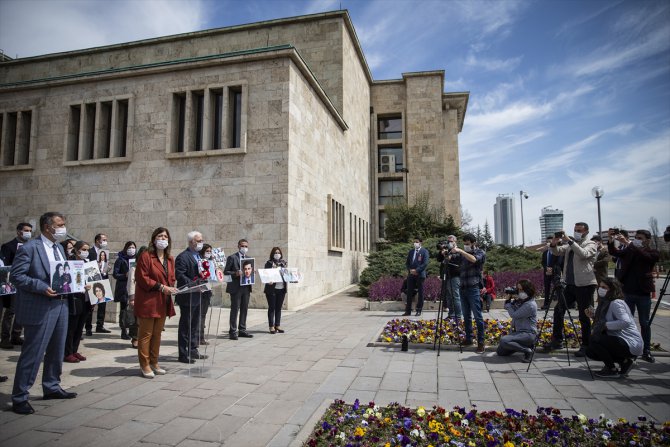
(564, 95)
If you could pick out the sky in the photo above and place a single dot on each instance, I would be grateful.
(564, 95)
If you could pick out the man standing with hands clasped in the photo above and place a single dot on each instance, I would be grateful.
(43, 314)
(417, 263)
(239, 294)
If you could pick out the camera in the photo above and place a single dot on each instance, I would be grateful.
(559, 234)
(442, 245)
(511, 291)
(614, 231)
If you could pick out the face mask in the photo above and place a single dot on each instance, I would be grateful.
(638, 243)
(130, 252)
(602, 292)
(617, 244)
(417, 245)
(103, 244)
(577, 236)
(83, 254)
(162, 244)
(277, 256)
(199, 246)
(60, 233)
(450, 245)
(244, 250)
(467, 248)
(523, 295)
(26, 235)
(208, 255)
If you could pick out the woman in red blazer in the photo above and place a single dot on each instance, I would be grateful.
(154, 280)
(489, 291)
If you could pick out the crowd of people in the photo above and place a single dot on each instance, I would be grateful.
(575, 272)
(149, 281)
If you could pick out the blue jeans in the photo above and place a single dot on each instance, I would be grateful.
(472, 304)
(643, 305)
(453, 297)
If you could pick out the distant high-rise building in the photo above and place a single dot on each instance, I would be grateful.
(551, 221)
(505, 219)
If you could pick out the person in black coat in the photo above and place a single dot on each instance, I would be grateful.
(11, 330)
(239, 294)
(79, 309)
(94, 255)
(120, 273)
(206, 300)
(275, 292)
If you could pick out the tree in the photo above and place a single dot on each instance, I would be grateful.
(479, 236)
(466, 220)
(488, 240)
(420, 219)
(653, 227)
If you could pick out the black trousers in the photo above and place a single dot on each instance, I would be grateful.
(239, 304)
(275, 301)
(74, 327)
(189, 330)
(414, 285)
(609, 349)
(100, 320)
(11, 330)
(584, 297)
(204, 307)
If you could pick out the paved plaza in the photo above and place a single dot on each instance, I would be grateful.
(271, 389)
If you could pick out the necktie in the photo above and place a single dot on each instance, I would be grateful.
(56, 253)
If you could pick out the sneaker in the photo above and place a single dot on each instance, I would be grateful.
(647, 357)
(527, 357)
(480, 348)
(581, 352)
(626, 366)
(608, 373)
(79, 356)
(553, 345)
(71, 359)
(102, 330)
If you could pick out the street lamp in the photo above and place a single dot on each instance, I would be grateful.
(598, 192)
(522, 195)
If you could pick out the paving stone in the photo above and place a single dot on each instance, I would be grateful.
(176, 431)
(81, 436)
(253, 434)
(561, 404)
(395, 381)
(423, 382)
(278, 411)
(363, 396)
(396, 366)
(74, 419)
(117, 417)
(63, 407)
(309, 406)
(194, 443)
(339, 380)
(169, 410)
(483, 392)
(128, 395)
(129, 433)
(417, 398)
(218, 429)
(366, 383)
(23, 424)
(298, 391)
(285, 436)
(449, 399)
(31, 438)
(385, 397)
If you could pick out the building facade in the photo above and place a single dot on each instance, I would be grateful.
(266, 131)
(551, 221)
(505, 220)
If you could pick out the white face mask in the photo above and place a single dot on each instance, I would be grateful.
(83, 254)
(244, 250)
(130, 252)
(577, 236)
(638, 242)
(208, 255)
(26, 235)
(417, 245)
(450, 245)
(60, 233)
(602, 292)
(523, 295)
(199, 246)
(467, 248)
(277, 256)
(70, 251)
(162, 244)
(103, 244)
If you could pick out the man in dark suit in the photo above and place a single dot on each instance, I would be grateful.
(93, 255)
(417, 263)
(239, 294)
(550, 267)
(11, 330)
(187, 272)
(42, 312)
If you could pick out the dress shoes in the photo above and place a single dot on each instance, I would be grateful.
(279, 330)
(199, 356)
(79, 356)
(89, 333)
(233, 336)
(22, 408)
(418, 313)
(102, 330)
(203, 342)
(147, 375)
(158, 370)
(407, 314)
(246, 335)
(62, 394)
(71, 359)
(185, 360)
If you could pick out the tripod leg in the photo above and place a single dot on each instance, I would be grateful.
(539, 334)
(574, 329)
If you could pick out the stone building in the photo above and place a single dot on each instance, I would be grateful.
(272, 131)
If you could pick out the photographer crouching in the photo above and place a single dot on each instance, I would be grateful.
(522, 307)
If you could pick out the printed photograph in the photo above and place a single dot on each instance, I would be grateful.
(248, 277)
(67, 276)
(6, 286)
(100, 292)
(92, 272)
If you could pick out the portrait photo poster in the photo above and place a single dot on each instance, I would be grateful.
(219, 257)
(6, 286)
(270, 275)
(100, 292)
(67, 276)
(248, 277)
(92, 272)
(103, 262)
(291, 274)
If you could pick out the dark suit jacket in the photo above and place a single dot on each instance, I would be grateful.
(420, 263)
(30, 273)
(233, 265)
(186, 270)
(8, 251)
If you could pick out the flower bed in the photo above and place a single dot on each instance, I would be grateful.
(370, 425)
(423, 331)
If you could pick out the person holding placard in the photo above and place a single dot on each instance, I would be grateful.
(11, 330)
(80, 308)
(275, 292)
(206, 255)
(96, 254)
(120, 273)
(239, 294)
(154, 287)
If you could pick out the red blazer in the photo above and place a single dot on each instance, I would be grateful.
(490, 286)
(149, 275)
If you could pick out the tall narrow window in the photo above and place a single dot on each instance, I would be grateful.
(179, 120)
(86, 149)
(235, 98)
(23, 143)
(336, 225)
(390, 191)
(389, 128)
(105, 130)
(10, 140)
(198, 118)
(216, 101)
(121, 128)
(73, 133)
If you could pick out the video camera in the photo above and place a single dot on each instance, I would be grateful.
(511, 291)
(442, 245)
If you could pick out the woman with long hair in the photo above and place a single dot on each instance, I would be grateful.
(120, 273)
(79, 308)
(154, 286)
(522, 308)
(614, 336)
(206, 297)
(275, 292)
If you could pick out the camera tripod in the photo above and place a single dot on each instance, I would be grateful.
(445, 277)
(557, 291)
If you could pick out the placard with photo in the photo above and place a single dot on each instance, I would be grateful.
(291, 274)
(248, 277)
(103, 262)
(92, 272)
(6, 286)
(220, 258)
(100, 292)
(67, 276)
(270, 275)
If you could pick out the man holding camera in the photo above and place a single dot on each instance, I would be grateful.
(450, 272)
(580, 282)
(522, 308)
(637, 260)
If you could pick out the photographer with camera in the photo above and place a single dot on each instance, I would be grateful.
(472, 261)
(522, 308)
(637, 260)
(580, 282)
(450, 271)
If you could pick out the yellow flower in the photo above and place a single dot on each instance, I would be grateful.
(508, 444)
(421, 412)
(359, 432)
(388, 444)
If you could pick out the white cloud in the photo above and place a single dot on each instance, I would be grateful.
(30, 28)
(492, 64)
